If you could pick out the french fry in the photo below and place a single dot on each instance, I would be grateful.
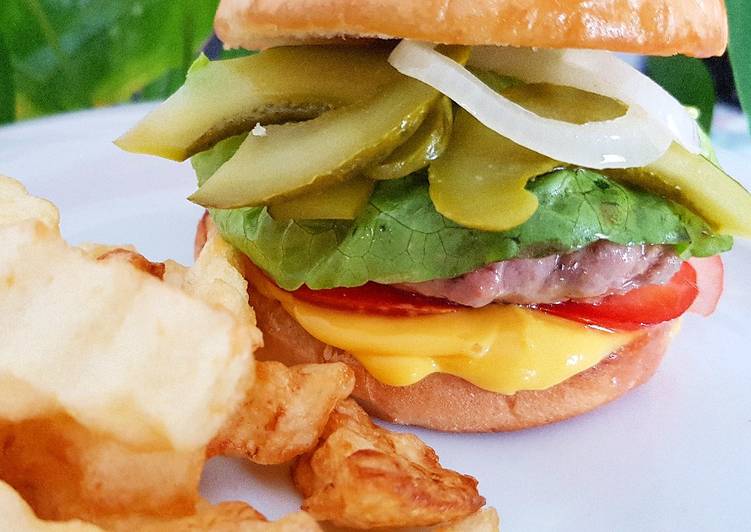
(363, 476)
(284, 413)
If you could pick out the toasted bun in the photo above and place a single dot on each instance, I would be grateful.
(655, 27)
(445, 402)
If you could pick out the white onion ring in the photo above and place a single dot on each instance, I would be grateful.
(594, 71)
(632, 140)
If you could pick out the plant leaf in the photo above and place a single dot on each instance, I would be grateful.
(81, 53)
(7, 85)
(739, 18)
(689, 80)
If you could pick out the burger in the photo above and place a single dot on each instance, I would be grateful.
(492, 219)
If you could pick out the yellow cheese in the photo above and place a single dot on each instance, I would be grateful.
(501, 348)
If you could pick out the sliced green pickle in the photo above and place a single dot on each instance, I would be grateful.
(224, 98)
(479, 180)
(564, 103)
(694, 181)
(427, 144)
(298, 157)
(689, 179)
(341, 201)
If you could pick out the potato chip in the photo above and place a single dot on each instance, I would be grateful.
(364, 476)
(17, 516)
(16, 205)
(116, 349)
(486, 520)
(285, 412)
(216, 278)
(135, 259)
(65, 471)
(224, 517)
(112, 381)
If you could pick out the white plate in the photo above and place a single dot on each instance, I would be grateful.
(671, 456)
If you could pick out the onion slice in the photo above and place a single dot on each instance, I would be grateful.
(594, 71)
(632, 140)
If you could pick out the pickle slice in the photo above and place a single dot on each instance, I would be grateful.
(224, 98)
(479, 180)
(294, 158)
(564, 103)
(427, 144)
(694, 181)
(686, 178)
(341, 201)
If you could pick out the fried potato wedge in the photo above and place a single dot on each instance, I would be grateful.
(284, 413)
(364, 476)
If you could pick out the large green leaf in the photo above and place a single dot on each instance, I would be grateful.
(70, 54)
(739, 18)
(689, 80)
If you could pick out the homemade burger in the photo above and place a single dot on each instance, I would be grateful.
(494, 223)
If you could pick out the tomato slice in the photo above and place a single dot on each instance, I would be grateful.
(710, 278)
(374, 298)
(644, 306)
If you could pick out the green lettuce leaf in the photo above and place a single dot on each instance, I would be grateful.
(401, 238)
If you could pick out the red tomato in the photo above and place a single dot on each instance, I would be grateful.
(647, 305)
(373, 298)
(710, 275)
(697, 287)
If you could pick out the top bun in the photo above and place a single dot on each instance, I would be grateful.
(655, 27)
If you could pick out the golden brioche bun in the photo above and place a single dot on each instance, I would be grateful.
(445, 402)
(654, 27)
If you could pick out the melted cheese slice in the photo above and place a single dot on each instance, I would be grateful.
(501, 348)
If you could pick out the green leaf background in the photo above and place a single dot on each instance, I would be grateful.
(689, 80)
(739, 18)
(60, 55)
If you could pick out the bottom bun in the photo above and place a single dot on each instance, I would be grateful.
(449, 403)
